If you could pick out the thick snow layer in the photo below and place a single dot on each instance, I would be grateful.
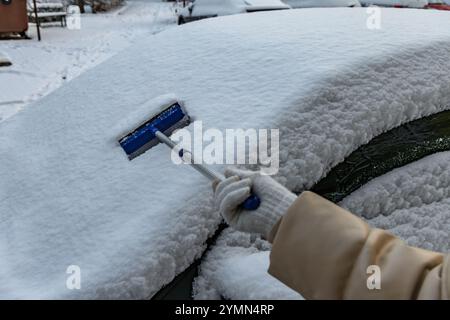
(266, 5)
(237, 269)
(43, 5)
(218, 7)
(69, 196)
(413, 202)
(226, 7)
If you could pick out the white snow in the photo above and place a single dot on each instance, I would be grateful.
(412, 202)
(70, 196)
(236, 268)
(322, 3)
(218, 7)
(4, 59)
(226, 7)
(54, 4)
(144, 112)
(266, 5)
(41, 67)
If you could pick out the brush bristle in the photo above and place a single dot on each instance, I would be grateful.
(143, 138)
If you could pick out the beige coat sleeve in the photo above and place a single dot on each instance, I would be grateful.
(323, 252)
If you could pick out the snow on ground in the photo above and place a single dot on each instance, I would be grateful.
(70, 196)
(41, 67)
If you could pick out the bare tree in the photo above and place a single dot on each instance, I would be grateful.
(81, 4)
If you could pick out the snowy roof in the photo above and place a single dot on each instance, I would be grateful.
(69, 196)
(225, 7)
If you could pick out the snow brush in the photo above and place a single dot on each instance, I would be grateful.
(157, 129)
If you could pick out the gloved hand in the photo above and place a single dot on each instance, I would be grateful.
(231, 193)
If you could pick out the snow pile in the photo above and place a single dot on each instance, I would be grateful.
(412, 202)
(426, 226)
(68, 196)
(43, 5)
(218, 7)
(354, 106)
(265, 5)
(227, 7)
(144, 112)
(237, 269)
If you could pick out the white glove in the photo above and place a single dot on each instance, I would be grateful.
(232, 192)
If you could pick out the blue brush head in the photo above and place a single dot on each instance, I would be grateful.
(143, 137)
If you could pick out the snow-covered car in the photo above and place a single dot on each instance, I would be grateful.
(201, 9)
(69, 196)
(322, 3)
(396, 3)
(438, 5)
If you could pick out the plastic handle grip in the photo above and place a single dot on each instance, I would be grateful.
(251, 203)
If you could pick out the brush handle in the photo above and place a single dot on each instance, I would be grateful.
(251, 203)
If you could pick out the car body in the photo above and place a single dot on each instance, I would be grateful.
(201, 9)
(397, 3)
(322, 3)
(438, 5)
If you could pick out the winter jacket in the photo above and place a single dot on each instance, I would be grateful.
(323, 252)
